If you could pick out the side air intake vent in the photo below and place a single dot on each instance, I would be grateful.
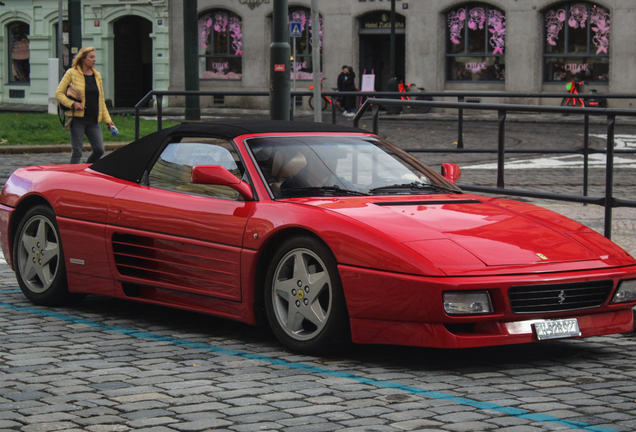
(176, 264)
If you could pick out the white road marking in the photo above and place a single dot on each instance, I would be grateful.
(571, 161)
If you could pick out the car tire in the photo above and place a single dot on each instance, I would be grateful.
(39, 260)
(304, 300)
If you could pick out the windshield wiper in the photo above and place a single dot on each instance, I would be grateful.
(416, 186)
(335, 189)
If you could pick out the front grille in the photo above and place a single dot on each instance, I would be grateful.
(559, 297)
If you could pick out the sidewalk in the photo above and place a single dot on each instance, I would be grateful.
(215, 114)
(178, 113)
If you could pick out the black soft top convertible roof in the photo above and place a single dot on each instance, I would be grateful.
(130, 162)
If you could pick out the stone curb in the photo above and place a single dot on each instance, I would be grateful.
(53, 148)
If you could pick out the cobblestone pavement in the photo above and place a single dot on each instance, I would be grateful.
(112, 365)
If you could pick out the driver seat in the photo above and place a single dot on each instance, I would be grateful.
(284, 167)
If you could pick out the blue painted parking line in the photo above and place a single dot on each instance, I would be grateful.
(312, 369)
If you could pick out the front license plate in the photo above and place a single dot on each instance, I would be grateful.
(557, 329)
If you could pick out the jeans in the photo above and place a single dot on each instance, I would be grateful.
(94, 133)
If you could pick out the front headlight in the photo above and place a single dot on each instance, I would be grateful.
(467, 303)
(626, 292)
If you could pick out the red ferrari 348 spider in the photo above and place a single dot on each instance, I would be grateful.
(328, 233)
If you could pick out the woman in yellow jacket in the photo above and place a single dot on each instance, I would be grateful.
(87, 113)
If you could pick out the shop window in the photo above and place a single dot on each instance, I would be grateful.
(303, 63)
(220, 45)
(19, 53)
(475, 43)
(576, 41)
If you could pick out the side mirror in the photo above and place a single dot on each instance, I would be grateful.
(219, 176)
(451, 172)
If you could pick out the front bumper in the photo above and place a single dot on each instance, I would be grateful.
(397, 309)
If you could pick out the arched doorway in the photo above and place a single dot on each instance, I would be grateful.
(375, 47)
(133, 60)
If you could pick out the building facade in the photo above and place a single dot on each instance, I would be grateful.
(130, 38)
(441, 45)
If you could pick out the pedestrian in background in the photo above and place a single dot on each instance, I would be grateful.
(341, 83)
(90, 111)
(350, 85)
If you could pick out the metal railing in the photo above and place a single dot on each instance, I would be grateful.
(374, 101)
(608, 200)
(160, 94)
(460, 95)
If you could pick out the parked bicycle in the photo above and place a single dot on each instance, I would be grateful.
(574, 100)
(325, 101)
(404, 88)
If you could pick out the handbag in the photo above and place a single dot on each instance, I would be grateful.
(75, 95)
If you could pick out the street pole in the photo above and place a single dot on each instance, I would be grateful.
(392, 85)
(75, 28)
(295, 67)
(392, 59)
(190, 59)
(279, 65)
(60, 37)
(315, 60)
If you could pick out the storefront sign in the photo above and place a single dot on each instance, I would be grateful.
(476, 67)
(382, 25)
(575, 67)
(381, 21)
(221, 66)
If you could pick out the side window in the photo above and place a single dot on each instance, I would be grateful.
(173, 169)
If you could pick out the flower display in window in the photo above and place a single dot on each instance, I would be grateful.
(236, 31)
(578, 16)
(455, 22)
(554, 24)
(476, 19)
(601, 27)
(497, 24)
(204, 32)
(580, 50)
(220, 22)
(220, 45)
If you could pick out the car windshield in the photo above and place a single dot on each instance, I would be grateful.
(302, 166)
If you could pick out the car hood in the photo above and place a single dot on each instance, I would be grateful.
(455, 231)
